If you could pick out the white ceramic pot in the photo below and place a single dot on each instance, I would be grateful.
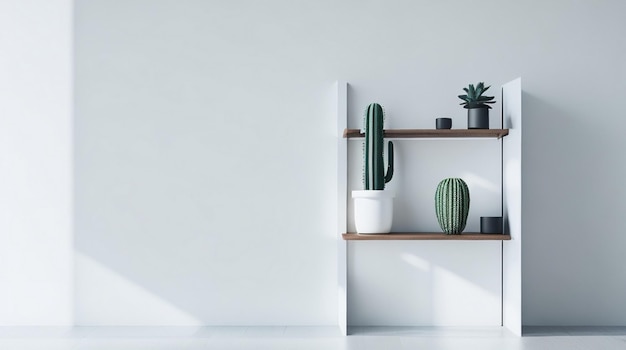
(373, 211)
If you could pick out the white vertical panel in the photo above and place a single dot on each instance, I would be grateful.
(36, 89)
(342, 182)
(512, 183)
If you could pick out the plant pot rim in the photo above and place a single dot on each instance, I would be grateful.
(373, 194)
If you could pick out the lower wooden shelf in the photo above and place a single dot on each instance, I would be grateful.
(433, 133)
(432, 236)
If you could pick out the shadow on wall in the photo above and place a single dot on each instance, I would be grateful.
(552, 154)
(128, 276)
(572, 184)
(566, 160)
(178, 268)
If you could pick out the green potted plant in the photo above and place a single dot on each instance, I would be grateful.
(373, 206)
(477, 106)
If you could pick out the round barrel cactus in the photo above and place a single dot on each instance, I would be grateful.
(452, 203)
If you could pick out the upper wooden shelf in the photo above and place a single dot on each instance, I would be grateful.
(433, 133)
(432, 236)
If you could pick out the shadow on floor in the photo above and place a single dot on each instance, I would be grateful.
(548, 331)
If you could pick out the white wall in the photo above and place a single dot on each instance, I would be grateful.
(204, 167)
(193, 102)
(184, 108)
(36, 163)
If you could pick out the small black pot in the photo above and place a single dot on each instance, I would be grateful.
(478, 118)
(491, 224)
(443, 123)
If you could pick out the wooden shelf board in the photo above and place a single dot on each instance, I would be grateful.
(432, 236)
(434, 133)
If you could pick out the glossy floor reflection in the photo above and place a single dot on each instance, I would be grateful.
(362, 338)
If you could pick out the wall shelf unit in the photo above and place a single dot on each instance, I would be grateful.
(508, 243)
(426, 236)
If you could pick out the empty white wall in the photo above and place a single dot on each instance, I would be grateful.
(185, 108)
(205, 182)
(36, 243)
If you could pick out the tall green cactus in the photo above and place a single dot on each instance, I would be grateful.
(452, 203)
(374, 177)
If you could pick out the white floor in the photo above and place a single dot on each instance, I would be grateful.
(327, 338)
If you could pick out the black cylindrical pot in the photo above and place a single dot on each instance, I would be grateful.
(478, 118)
(443, 123)
(491, 224)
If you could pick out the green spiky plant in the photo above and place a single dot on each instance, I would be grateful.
(374, 177)
(452, 203)
(474, 98)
